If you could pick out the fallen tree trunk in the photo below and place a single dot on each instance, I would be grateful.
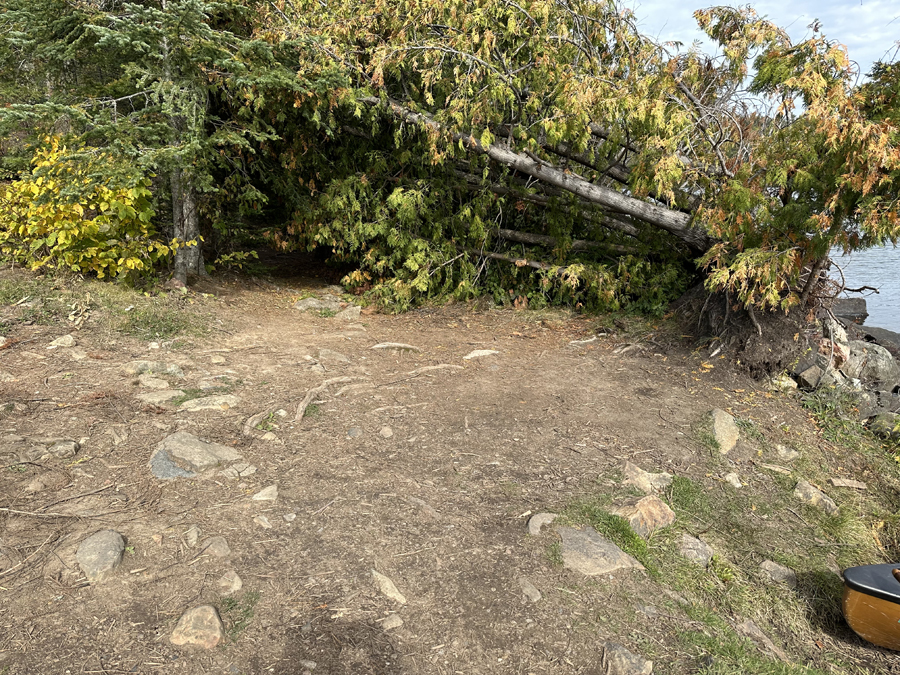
(674, 222)
(552, 242)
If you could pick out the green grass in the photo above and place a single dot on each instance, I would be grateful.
(554, 554)
(613, 527)
(191, 393)
(238, 613)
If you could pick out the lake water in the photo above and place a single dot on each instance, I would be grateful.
(878, 267)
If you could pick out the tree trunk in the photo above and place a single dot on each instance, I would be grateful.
(186, 222)
(674, 222)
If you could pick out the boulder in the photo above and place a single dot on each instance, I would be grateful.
(779, 573)
(852, 309)
(646, 515)
(815, 497)
(872, 363)
(100, 554)
(199, 627)
(587, 552)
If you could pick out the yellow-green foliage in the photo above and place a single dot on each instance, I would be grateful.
(80, 210)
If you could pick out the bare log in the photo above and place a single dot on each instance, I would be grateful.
(674, 222)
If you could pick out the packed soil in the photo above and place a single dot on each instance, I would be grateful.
(425, 474)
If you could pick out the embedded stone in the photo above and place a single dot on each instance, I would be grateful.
(815, 497)
(695, 550)
(724, 430)
(350, 313)
(218, 402)
(100, 554)
(779, 573)
(229, 583)
(138, 367)
(646, 515)
(216, 547)
(786, 453)
(387, 588)
(619, 661)
(587, 552)
(529, 590)
(479, 353)
(64, 341)
(733, 480)
(644, 480)
(266, 494)
(848, 483)
(159, 397)
(147, 380)
(538, 521)
(194, 454)
(391, 622)
(199, 627)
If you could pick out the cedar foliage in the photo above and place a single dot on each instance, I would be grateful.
(544, 151)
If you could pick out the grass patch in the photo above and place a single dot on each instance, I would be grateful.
(750, 430)
(615, 528)
(238, 613)
(835, 412)
(554, 554)
(312, 410)
(689, 498)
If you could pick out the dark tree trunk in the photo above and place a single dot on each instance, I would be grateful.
(186, 222)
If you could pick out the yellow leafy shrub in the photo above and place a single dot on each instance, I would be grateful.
(80, 209)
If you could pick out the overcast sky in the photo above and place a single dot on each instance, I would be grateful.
(869, 28)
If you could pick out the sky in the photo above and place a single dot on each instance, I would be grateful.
(869, 28)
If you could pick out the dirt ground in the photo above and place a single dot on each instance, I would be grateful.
(427, 476)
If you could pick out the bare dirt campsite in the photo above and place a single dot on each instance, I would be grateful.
(343, 492)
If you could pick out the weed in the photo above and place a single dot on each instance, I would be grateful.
(554, 554)
(835, 412)
(238, 613)
(327, 313)
(690, 498)
(312, 410)
(17, 468)
(268, 424)
(749, 429)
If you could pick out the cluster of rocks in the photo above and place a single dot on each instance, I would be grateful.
(858, 358)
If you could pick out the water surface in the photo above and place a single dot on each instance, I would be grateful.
(878, 267)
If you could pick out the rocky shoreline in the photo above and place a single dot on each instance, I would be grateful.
(859, 358)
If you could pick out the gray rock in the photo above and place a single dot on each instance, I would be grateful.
(811, 377)
(289, 517)
(64, 449)
(350, 313)
(263, 522)
(833, 330)
(328, 303)
(386, 432)
(587, 552)
(872, 363)
(213, 382)
(733, 480)
(354, 432)
(783, 383)
(619, 661)
(786, 453)
(391, 622)
(100, 554)
(646, 515)
(387, 588)
(147, 380)
(695, 550)
(529, 591)
(538, 521)
(192, 454)
(751, 630)
(779, 573)
(199, 627)
(886, 338)
(138, 367)
(267, 494)
(216, 547)
(815, 497)
(645, 481)
(159, 397)
(64, 341)
(852, 309)
(219, 402)
(164, 467)
(776, 468)
(239, 470)
(217, 360)
(886, 425)
(724, 430)
(229, 583)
